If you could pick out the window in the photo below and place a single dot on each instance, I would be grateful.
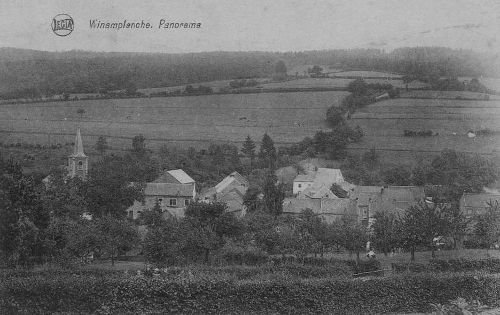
(173, 202)
(160, 200)
(80, 165)
(186, 202)
(300, 185)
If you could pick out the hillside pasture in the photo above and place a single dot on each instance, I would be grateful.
(185, 121)
(449, 120)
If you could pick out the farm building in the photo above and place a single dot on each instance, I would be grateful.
(395, 199)
(173, 191)
(474, 204)
(230, 191)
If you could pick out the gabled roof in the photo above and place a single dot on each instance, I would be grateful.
(322, 176)
(234, 178)
(78, 148)
(175, 176)
(317, 193)
(233, 199)
(168, 189)
(478, 200)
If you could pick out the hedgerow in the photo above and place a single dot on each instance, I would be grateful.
(138, 294)
(452, 265)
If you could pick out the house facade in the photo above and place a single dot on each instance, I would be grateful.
(173, 191)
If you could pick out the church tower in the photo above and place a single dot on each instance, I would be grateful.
(78, 162)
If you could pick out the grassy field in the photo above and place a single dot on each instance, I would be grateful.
(450, 120)
(187, 121)
(287, 117)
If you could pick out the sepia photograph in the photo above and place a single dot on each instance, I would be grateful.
(250, 157)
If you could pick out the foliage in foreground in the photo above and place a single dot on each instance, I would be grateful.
(189, 294)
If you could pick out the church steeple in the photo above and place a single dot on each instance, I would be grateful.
(78, 149)
(78, 162)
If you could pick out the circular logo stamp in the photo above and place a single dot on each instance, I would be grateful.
(62, 25)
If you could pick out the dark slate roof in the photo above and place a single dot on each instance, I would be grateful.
(391, 198)
(318, 206)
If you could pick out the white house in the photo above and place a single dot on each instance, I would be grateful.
(316, 179)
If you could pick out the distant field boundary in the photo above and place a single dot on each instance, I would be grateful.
(412, 150)
(354, 77)
(244, 91)
(228, 141)
(446, 98)
(240, 91)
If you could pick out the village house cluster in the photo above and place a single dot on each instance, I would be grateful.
(174, 190)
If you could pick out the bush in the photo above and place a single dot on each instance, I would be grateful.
(37, 294)
(366, 268)
(235, 255)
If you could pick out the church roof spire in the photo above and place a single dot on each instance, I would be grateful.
(78, 150)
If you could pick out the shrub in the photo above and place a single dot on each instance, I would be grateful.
(452, 265)
(366, 267)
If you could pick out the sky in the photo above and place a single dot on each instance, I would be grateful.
(257, 25)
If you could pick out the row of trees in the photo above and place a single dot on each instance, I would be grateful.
(208, 230)
(427, 224)
(451, 173)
